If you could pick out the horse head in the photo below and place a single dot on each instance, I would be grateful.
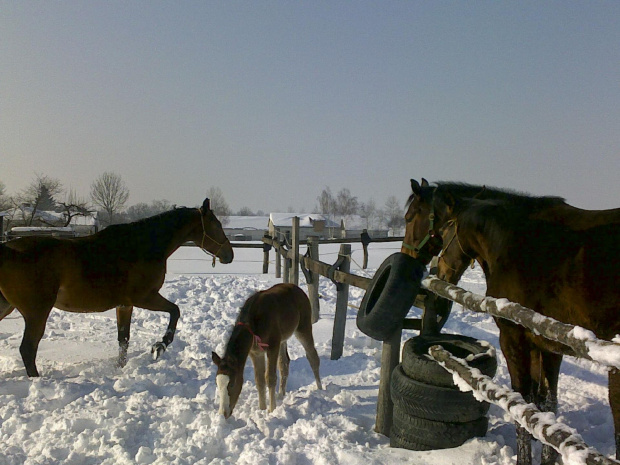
(229, 380)
(210, 235)
(427, 213)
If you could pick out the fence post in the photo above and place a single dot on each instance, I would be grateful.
(287, 266)
(390, 356)
(266, 249)
(365, 239)
(342, 301)
(313, 284)
(278, 250)
(295, 259)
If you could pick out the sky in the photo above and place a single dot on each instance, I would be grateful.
(273, 101)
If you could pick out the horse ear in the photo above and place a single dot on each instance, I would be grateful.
(450, 202)
(425, 183)
(415, 187)
(216, 358)
(206, 205)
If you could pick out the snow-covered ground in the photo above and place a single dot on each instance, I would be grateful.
(85, 410)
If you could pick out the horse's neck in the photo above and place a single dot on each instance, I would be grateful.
(174, 237)
(239, 346)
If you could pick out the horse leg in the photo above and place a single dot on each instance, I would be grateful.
(33, 332)
(123, 322)
(304, 336)
(284, 362)
(159, 304)
(258, 360)
(614, 403)
(516, 350)
(272, 375)
(548, 397)
(5, 307)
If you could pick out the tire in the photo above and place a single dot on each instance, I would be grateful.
(428, 434)
(418, 365)
(391, 294)
(436, 403)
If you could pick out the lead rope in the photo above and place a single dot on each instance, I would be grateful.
(257, 340)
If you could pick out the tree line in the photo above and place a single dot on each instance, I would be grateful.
(109, 195)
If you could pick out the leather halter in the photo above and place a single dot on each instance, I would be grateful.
(205, 235)
(455, 236)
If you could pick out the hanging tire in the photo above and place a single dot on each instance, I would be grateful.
(436, 403)
(391, 294)
(418, 365)
(427, 434)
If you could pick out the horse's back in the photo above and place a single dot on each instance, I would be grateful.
(285, 303)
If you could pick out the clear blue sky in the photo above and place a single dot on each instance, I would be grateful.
(272, 101)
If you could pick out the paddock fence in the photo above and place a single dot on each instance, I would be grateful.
(575, 341)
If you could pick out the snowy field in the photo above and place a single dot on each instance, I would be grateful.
(85, 410)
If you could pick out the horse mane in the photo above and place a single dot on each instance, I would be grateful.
(246, 307)
(148, 237)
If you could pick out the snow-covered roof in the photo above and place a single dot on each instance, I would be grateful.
(306, 220)
(248, 222)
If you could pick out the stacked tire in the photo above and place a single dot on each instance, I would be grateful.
(430, 412)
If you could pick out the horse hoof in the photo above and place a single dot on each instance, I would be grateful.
(157, 350)
(121, 362)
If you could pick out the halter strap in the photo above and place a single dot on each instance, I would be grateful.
(430, 234)
(456, 235)
(257, 340)
(205, 235)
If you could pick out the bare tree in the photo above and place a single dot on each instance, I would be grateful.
(327, 203)
(110, 193)
(245, 211)
(74, 206)
(394, 213)
(5, 201)
(144, 210)
(346, 204)
(369, 211)
(219, 205)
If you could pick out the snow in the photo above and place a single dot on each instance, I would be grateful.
(85, 410)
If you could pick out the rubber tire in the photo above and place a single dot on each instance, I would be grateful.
(435, 403)
(418, 365)
(429, 435)
(391, 294)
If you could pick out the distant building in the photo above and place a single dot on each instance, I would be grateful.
(246, 228)
(44, 222)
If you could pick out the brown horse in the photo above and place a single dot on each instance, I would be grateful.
(122, 266)
(541, 252)
(266, 320)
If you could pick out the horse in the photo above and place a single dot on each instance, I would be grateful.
(121, 266)
(266, 321)
(537, 251)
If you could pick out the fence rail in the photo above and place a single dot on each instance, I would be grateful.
(577, 341)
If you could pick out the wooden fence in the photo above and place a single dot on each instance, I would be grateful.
(578, 342)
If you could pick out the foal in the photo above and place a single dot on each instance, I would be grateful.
(266, 320)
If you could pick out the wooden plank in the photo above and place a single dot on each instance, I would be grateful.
(342, 301)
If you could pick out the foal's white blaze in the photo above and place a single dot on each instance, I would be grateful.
(222, 382)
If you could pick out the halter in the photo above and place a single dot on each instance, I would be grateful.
(257, 340)
(430, 234)
(456, 235)
(205, 235)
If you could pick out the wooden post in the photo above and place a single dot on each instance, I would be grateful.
(278, 256)
(313, 284)
(294, 278)
(342, 301)
(287, 266)
(365, 240)
(390, 357)
(266, 249)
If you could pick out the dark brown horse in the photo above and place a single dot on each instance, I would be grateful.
(540, 252)
(266, 320)
(122, 266)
